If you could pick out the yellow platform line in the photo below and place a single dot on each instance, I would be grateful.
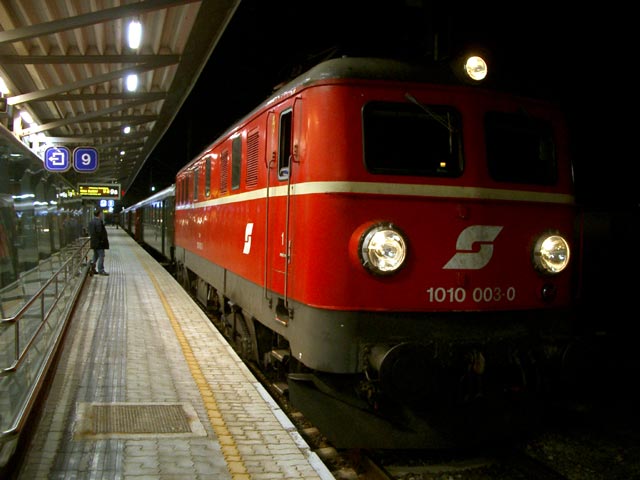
(227, 443)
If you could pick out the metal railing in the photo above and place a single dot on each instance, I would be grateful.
(35, 311)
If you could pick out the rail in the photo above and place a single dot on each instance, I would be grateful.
(35, 311)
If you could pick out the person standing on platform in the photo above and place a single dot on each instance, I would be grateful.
(99, 242)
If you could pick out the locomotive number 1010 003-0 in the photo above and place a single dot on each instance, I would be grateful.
(478, 294)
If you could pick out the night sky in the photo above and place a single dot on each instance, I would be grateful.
(579, 59)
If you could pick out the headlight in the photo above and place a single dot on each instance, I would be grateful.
(476, 68)
(382, 249)
(471, 68)
(551, 254)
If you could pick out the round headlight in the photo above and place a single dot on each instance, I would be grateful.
(383, 249)
(476, 68)
(551, 254)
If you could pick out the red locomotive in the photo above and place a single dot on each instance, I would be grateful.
(396, 239)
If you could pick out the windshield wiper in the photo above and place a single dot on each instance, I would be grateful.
(429, 112)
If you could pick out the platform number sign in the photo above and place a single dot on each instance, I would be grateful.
(57, 159)
(85, 159)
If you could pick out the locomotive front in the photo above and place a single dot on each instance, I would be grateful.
(441, 218)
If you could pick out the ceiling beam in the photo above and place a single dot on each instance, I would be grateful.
(101, 16)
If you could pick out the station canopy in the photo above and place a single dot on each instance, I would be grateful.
(68, 70)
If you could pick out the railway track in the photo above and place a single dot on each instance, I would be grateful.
(458, 465)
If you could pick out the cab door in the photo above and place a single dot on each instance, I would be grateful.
(278, 251)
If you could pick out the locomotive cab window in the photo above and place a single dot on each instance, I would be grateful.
(410, 139)
(284, 150)
(520, 149)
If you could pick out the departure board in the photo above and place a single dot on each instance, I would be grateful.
(99, 190)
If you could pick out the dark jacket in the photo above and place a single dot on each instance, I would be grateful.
(98, 234)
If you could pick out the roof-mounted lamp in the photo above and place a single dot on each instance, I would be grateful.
(134, 34)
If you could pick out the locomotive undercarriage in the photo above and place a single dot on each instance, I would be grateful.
(469, 378)
(425, 402)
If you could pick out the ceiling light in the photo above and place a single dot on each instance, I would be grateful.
(135, 34)
(132, 82)
(26, 117)
(3, 87)
(126, 129)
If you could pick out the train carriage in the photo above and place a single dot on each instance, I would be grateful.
(391, 238)
(151, 222)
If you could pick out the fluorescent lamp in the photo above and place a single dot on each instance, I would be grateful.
(26, 117)
(3, 87)
(135, 34)
(132, 82)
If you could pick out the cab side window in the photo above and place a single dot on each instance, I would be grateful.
(284, 150)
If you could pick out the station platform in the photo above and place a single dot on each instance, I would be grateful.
(145, 387)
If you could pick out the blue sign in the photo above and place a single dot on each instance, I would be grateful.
(85, 159)
(57, 159)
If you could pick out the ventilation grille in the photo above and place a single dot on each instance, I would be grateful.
(253, 143)
(224, 173)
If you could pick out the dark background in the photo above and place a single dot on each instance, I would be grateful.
(578, 58)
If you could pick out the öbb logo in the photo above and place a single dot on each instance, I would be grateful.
(467, 259)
